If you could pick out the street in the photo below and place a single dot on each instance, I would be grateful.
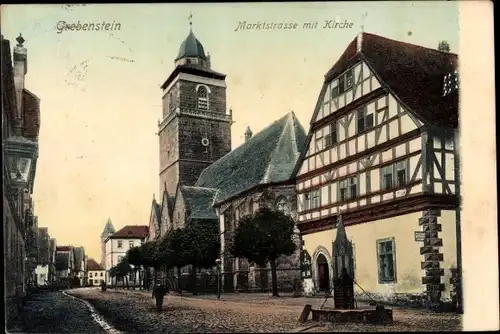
(53, 312)
(134, 311)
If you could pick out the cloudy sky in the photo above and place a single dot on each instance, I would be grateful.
(101, 98)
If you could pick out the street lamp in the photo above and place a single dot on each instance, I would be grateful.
(217, 262)
(19, 153)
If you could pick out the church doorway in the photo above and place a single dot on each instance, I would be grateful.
(323, 273)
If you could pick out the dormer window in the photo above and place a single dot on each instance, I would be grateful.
(202, 97)
(450, 83)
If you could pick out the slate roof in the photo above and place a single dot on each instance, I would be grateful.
(93, 265)
(268, 157)
(414, 73)
(199, 202)
(79, 257)
(131, 231)
(191, 47)
(108, 228)
(157, 210)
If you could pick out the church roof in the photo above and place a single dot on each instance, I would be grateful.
(191, 47)
(268, 157)
(199, 202)
(412, 72)
(108, 228)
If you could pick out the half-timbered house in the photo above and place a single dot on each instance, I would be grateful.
(381, 153)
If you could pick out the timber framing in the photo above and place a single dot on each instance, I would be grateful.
(373, 212)
(376, 149)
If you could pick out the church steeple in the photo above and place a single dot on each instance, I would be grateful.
(191, 50)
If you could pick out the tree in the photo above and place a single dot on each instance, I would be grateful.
(173, 251)
(444, 46)
(113, 273)
(123, 268)
(263, 238)
(134, 257)
(148, 260)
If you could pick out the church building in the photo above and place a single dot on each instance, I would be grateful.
(202, 179)
(382, 158)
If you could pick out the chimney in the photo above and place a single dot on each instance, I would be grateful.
(209, 63)
(248, 134)
(20, 70)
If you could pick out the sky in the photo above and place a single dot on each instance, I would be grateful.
(101, 98)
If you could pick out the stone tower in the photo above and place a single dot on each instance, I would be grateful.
(195, 129)
(108, 230)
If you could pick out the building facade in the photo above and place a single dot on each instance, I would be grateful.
(95, 273)
(108, 231)
(80, 265)
(43, 267)
(118, 244)
(20, 129)
(65, 262)
(381, 156)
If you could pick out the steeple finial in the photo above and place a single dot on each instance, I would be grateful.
(20, 40)
(190, 18)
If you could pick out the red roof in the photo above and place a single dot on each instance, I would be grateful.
(64, 248)
(414, 73)
(93, 265)
(132, 231)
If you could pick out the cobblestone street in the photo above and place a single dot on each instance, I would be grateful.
(53, 312)
(134, 311)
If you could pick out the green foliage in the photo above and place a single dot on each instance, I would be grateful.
(123, 268)
(203, 241)
(134, 256)
(263, 237)
(148, 250)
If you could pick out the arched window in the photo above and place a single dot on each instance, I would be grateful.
(282, 205)
(202, 97)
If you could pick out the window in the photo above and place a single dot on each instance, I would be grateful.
(331, 138)
(90, 274)
(131, 276)
(102, 274)
(394, 175)
(315, 200)
(202, 97)
(387, 176)
(120, 244)
(130, 244)
(343, 190)
(401, 173)
(450, 83)
(364, 121)
(307, 201)
(386, 255)
(345, 81)
(353, 187)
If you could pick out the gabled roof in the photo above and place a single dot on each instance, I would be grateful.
(168, 202)
(413, 73)
(266, 158)
(63, 258)
(93, 265)
(131, 231)
(199, 202)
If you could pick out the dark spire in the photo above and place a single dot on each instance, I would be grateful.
(20, 40)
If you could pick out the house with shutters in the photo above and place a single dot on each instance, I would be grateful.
(95, 273)
(382, 160)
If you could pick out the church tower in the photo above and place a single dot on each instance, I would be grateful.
(195, 129)
(108, 230)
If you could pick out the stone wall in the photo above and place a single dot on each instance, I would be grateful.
(189, 97)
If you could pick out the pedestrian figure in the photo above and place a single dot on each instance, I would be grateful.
(103, 285)
(159, 292)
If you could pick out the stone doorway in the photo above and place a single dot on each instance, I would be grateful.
(323, 273)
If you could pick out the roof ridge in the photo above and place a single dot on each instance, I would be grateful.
(408, 43)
